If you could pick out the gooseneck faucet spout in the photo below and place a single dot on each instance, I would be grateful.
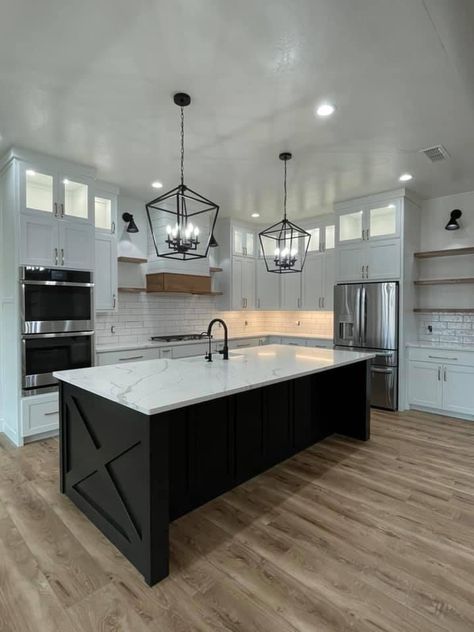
(225, 349)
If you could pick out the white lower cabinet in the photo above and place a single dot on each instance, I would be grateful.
(40, 414)
(443, 387)
(424, 385)
(244, 344)
(132, 355)
(458, 389)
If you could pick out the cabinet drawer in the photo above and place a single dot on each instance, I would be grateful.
(243, 344)
(40, 414)
(320, 343)
(296, 342)
(188, 351)
(442, 356)
(132, 355)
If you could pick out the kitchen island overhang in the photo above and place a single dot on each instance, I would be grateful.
(146, 442)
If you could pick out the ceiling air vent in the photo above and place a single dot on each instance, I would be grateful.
(436, 154)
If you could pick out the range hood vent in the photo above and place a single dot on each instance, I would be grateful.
(436, 153)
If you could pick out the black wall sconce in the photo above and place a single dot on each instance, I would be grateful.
(132, 227)
(453, 220)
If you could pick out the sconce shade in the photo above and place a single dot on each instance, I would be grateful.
(132, 227)
(453, 220)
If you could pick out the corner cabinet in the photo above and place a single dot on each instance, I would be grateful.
(106, 267)
(368, 239)
(56, 220)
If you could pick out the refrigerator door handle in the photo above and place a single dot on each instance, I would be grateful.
(363, 315)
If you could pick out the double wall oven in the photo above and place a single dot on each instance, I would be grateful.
(57, 324)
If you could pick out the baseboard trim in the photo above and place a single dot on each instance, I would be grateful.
(443, 413)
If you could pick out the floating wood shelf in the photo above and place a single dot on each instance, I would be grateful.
(132, 290)
(454, 252)
(447, 310)
(131, 260)
(215, 270)
(461, 281)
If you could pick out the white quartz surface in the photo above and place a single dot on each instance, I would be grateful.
(442, 346)
(163, 343)
(154, 386)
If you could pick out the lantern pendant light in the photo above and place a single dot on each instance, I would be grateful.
(182, 221)
(284, 245)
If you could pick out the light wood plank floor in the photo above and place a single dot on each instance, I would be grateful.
(374, 536)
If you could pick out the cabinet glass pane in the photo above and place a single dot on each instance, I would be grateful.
(330, 237)
(103, 213)
(238, 242)
(250, 244)
(383, 221)
(350, 226)
(315, 239)
(75, 199)
(39, 191)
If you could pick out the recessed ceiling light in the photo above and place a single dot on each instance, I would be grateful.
(157, 185)
(405, 177)
(65, 181)
(255, 215)
(325, 109)
(30, 172)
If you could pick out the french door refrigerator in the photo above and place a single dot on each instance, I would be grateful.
(366, 319)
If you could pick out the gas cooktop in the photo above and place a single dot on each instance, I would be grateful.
(177, 337)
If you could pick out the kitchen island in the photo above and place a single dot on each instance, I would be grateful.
(146, 442)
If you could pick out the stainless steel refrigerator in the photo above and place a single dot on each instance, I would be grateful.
(366, 318)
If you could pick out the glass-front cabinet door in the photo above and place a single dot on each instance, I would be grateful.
(105, 212)
(329, 237)
(74, 199)
(351, 227)
(243, 242)
(39, 190)
(383, 221)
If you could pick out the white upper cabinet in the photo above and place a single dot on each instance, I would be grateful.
(365, 222)
(243, 283)
(291, 291)
(55, 215)
(268, 287)
(351, 227)
(106, 247)
(368, 239)
(59, 194)
(244, 242)
(313, 282)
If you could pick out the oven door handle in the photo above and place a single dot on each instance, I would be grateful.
(56, 283)
(68, 334)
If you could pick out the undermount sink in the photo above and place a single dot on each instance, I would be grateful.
(216, 357)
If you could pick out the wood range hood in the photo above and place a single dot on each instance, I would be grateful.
(170, 282)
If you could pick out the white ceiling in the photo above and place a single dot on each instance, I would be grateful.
(93, 82)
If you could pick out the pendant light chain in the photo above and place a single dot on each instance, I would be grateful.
(182, 145)
(284, 193)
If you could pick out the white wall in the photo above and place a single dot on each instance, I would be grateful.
(434, 217)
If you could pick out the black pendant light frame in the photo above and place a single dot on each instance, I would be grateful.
(289, 242)
(183, 240)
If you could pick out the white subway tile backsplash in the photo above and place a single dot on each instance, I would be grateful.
(451, 328)
(140, 316)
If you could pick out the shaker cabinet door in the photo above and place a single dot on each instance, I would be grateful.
(39, 240)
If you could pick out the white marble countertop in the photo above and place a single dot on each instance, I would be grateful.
(155, 386)
(446, 346)
(150, 344)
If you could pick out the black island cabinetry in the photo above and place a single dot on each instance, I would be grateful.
(132, 474)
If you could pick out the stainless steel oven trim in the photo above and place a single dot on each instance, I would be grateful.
(72, 334)
(42, 380)
(61, 283)
(39, 327)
